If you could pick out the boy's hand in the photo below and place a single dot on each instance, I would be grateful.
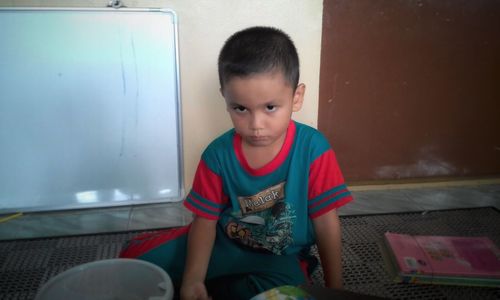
(194, 291)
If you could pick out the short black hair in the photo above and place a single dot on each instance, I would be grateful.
(259, 50)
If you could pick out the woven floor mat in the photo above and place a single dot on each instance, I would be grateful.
(25, 265)
(363, 266)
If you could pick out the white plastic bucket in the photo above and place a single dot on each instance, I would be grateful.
(110, 279)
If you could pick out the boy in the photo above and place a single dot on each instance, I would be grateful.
(265, 191)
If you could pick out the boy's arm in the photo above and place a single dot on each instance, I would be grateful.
(201, 239)
(329, 241)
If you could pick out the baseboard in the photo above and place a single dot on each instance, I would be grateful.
(415, 185)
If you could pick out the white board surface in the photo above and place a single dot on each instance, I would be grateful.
(89, 108)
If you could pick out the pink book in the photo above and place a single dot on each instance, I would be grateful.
(445, 255)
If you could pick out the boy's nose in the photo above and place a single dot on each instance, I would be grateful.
(256, 122)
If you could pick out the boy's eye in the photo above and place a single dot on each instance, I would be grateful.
(270, 107)
(239, 109)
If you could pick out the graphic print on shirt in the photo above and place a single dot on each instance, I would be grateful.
(264, 222)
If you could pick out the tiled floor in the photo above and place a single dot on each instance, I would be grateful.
(367, 201)
(422, 198)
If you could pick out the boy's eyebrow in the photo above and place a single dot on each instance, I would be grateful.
(233, 103)
(271, 102)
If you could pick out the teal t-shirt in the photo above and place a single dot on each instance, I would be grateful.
(269, 209)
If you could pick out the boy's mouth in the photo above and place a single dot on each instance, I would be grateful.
(259, 138)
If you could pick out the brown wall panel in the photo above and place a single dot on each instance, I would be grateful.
(411, 89)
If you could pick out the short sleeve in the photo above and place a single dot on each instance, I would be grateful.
(206, 198)
(327, 189)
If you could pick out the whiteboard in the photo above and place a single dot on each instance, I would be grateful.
(89, 108)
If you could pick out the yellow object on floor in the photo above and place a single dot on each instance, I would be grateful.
(8, 218)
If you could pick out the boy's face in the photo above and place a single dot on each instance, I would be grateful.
(261, 107)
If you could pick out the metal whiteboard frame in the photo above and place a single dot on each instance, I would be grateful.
(180, 170)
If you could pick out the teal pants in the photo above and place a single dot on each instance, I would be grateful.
(233, 272)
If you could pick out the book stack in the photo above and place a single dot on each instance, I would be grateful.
(468, 261)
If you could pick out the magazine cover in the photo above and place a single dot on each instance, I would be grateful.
(443, 259)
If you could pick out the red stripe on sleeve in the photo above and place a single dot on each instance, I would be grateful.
(200, 203)
(334, 205)
(199, 212)
(328, 198)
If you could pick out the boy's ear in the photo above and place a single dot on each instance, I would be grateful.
(298, 97)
